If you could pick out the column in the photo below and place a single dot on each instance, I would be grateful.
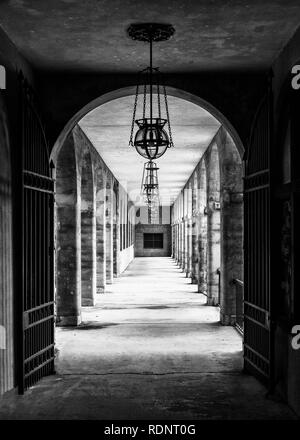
(101, 230)
(109, 230)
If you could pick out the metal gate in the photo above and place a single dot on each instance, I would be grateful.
(36, 351)
(257, 304)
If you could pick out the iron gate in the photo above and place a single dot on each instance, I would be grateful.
(257, 305)
(37, 328)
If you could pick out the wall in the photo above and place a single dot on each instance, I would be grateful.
(285, 226)
(141, 229)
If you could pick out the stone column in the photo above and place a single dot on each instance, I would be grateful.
(232, 256)
(181, 257)
(202, 252)
(202, 228)
(213, 226)
(101, 229)
(172, 232)
(189, 231)
(195, 233)
(195, 249)
(88, 234)
(231, 225)
(68, 237)
(176, 242)
(185, 245)
(213, 254)
(109, 230)
(116, 232)
(190, 235)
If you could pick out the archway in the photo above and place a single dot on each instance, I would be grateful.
(130, 91)
(219, 196)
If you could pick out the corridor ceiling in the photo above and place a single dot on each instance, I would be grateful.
(90, 35)
(108, 128)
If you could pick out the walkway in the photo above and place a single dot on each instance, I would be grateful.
(150, 349)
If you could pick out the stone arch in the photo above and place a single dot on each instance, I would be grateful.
(226, 138)
(6, 252)
(127, 91)
(68, 236)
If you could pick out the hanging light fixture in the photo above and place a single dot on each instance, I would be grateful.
(151, 139)
(149, 189)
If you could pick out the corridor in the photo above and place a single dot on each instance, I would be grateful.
(149, 349)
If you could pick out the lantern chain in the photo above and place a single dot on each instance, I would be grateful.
(158, 97)
(133, 117)
(168, 116)
(144, 102)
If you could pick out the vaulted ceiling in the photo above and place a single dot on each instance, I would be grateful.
(108, 128)
(91, 35)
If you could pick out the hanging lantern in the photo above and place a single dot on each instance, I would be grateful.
(149, 188)
(154, 135)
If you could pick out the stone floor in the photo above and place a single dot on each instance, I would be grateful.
(150, 349)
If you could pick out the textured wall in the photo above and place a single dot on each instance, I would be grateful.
(140, 229)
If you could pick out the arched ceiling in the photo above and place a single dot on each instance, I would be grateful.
(90, 35)
(108, 128)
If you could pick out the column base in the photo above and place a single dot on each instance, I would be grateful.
(68, 321)
(212, 302)
(88, 302)
(227, 319)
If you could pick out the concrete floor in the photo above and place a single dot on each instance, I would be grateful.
(150, 349)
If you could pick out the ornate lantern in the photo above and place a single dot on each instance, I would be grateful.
(149, 189)
(151, 139)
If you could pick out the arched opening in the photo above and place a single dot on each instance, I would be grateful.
(132, 260)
